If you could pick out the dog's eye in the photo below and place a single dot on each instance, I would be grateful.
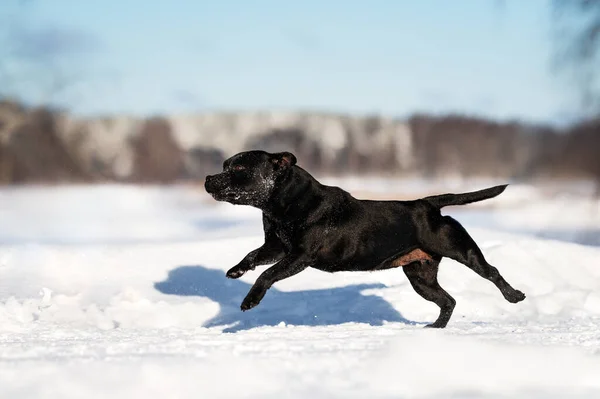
(238, 168)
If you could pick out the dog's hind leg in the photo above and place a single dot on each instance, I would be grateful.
(452, 241)
(423, 278)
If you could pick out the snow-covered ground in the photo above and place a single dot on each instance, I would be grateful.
(120, 292)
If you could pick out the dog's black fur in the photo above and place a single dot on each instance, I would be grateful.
(308, 224)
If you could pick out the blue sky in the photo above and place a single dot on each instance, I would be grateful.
(481, 57)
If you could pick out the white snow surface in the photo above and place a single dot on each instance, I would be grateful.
(120, 292)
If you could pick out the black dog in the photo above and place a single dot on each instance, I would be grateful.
(308, 224)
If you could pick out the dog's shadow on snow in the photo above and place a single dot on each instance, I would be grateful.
(308, 308)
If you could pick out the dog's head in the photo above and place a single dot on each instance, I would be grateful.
(249, 178)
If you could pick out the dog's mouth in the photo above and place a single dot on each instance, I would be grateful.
(229, 196)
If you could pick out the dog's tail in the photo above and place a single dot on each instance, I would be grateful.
(440, 201)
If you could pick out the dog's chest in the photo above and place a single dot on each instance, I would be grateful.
(285, 235)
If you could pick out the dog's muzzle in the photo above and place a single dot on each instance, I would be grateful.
(214, 185)
(209, 184)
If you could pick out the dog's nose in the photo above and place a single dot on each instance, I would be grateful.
(208, 186)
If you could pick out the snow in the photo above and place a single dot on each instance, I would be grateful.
(120, 291)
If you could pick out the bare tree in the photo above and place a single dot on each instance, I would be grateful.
(40, 65)
(577, 51)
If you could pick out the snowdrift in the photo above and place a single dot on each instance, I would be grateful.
(121, 292)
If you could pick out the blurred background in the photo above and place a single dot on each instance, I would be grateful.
(387, 99)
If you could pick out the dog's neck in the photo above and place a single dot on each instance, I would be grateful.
(295, 196)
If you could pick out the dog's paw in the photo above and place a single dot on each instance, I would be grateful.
(236, 272)
(515, 297)
(248, 303)
(252, 299)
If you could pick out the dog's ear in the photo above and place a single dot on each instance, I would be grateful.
(283, 160)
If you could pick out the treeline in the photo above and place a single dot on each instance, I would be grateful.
(46, 146)
(475, 147)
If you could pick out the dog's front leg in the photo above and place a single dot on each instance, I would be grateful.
(287, 267)
(270, 252)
